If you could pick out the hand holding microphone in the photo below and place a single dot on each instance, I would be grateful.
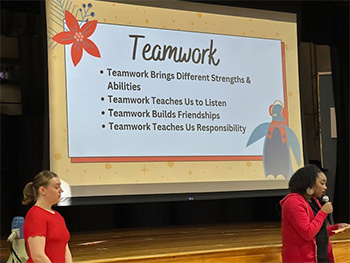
(328, 209)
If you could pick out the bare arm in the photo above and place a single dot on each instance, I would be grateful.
(69, 258)
(37, 249)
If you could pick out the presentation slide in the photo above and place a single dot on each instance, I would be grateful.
(154, 100)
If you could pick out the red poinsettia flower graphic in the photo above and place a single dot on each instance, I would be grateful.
(78, 37)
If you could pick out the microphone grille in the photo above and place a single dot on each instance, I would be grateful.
(325, 199)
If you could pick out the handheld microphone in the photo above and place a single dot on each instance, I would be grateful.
(325, 199)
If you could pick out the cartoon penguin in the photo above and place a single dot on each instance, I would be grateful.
(279, 139)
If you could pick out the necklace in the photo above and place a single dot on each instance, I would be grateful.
(49, 210)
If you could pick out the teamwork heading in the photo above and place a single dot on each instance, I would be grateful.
(177, 54)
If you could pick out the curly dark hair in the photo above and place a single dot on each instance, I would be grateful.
(304, 178)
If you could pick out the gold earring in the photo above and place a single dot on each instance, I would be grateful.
(310, 191)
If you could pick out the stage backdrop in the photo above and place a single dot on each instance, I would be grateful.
(183, 98)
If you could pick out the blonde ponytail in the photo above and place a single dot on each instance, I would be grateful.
(29, 194)
(31, 190)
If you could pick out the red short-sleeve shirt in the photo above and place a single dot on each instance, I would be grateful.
(40, 222)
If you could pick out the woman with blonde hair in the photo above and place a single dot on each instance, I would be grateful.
(44, 229)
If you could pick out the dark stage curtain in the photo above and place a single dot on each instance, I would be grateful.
(24, 141)
(327, 23)
(340, 75)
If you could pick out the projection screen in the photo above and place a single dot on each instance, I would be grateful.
(172, 97)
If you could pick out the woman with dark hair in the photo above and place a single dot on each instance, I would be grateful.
(44, 229)
(305, 234)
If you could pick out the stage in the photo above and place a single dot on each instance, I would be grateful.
(228, 243)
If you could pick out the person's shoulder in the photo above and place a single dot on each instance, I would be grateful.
(36, 211)
(34, 216)
(33, 210)
(293, 199)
